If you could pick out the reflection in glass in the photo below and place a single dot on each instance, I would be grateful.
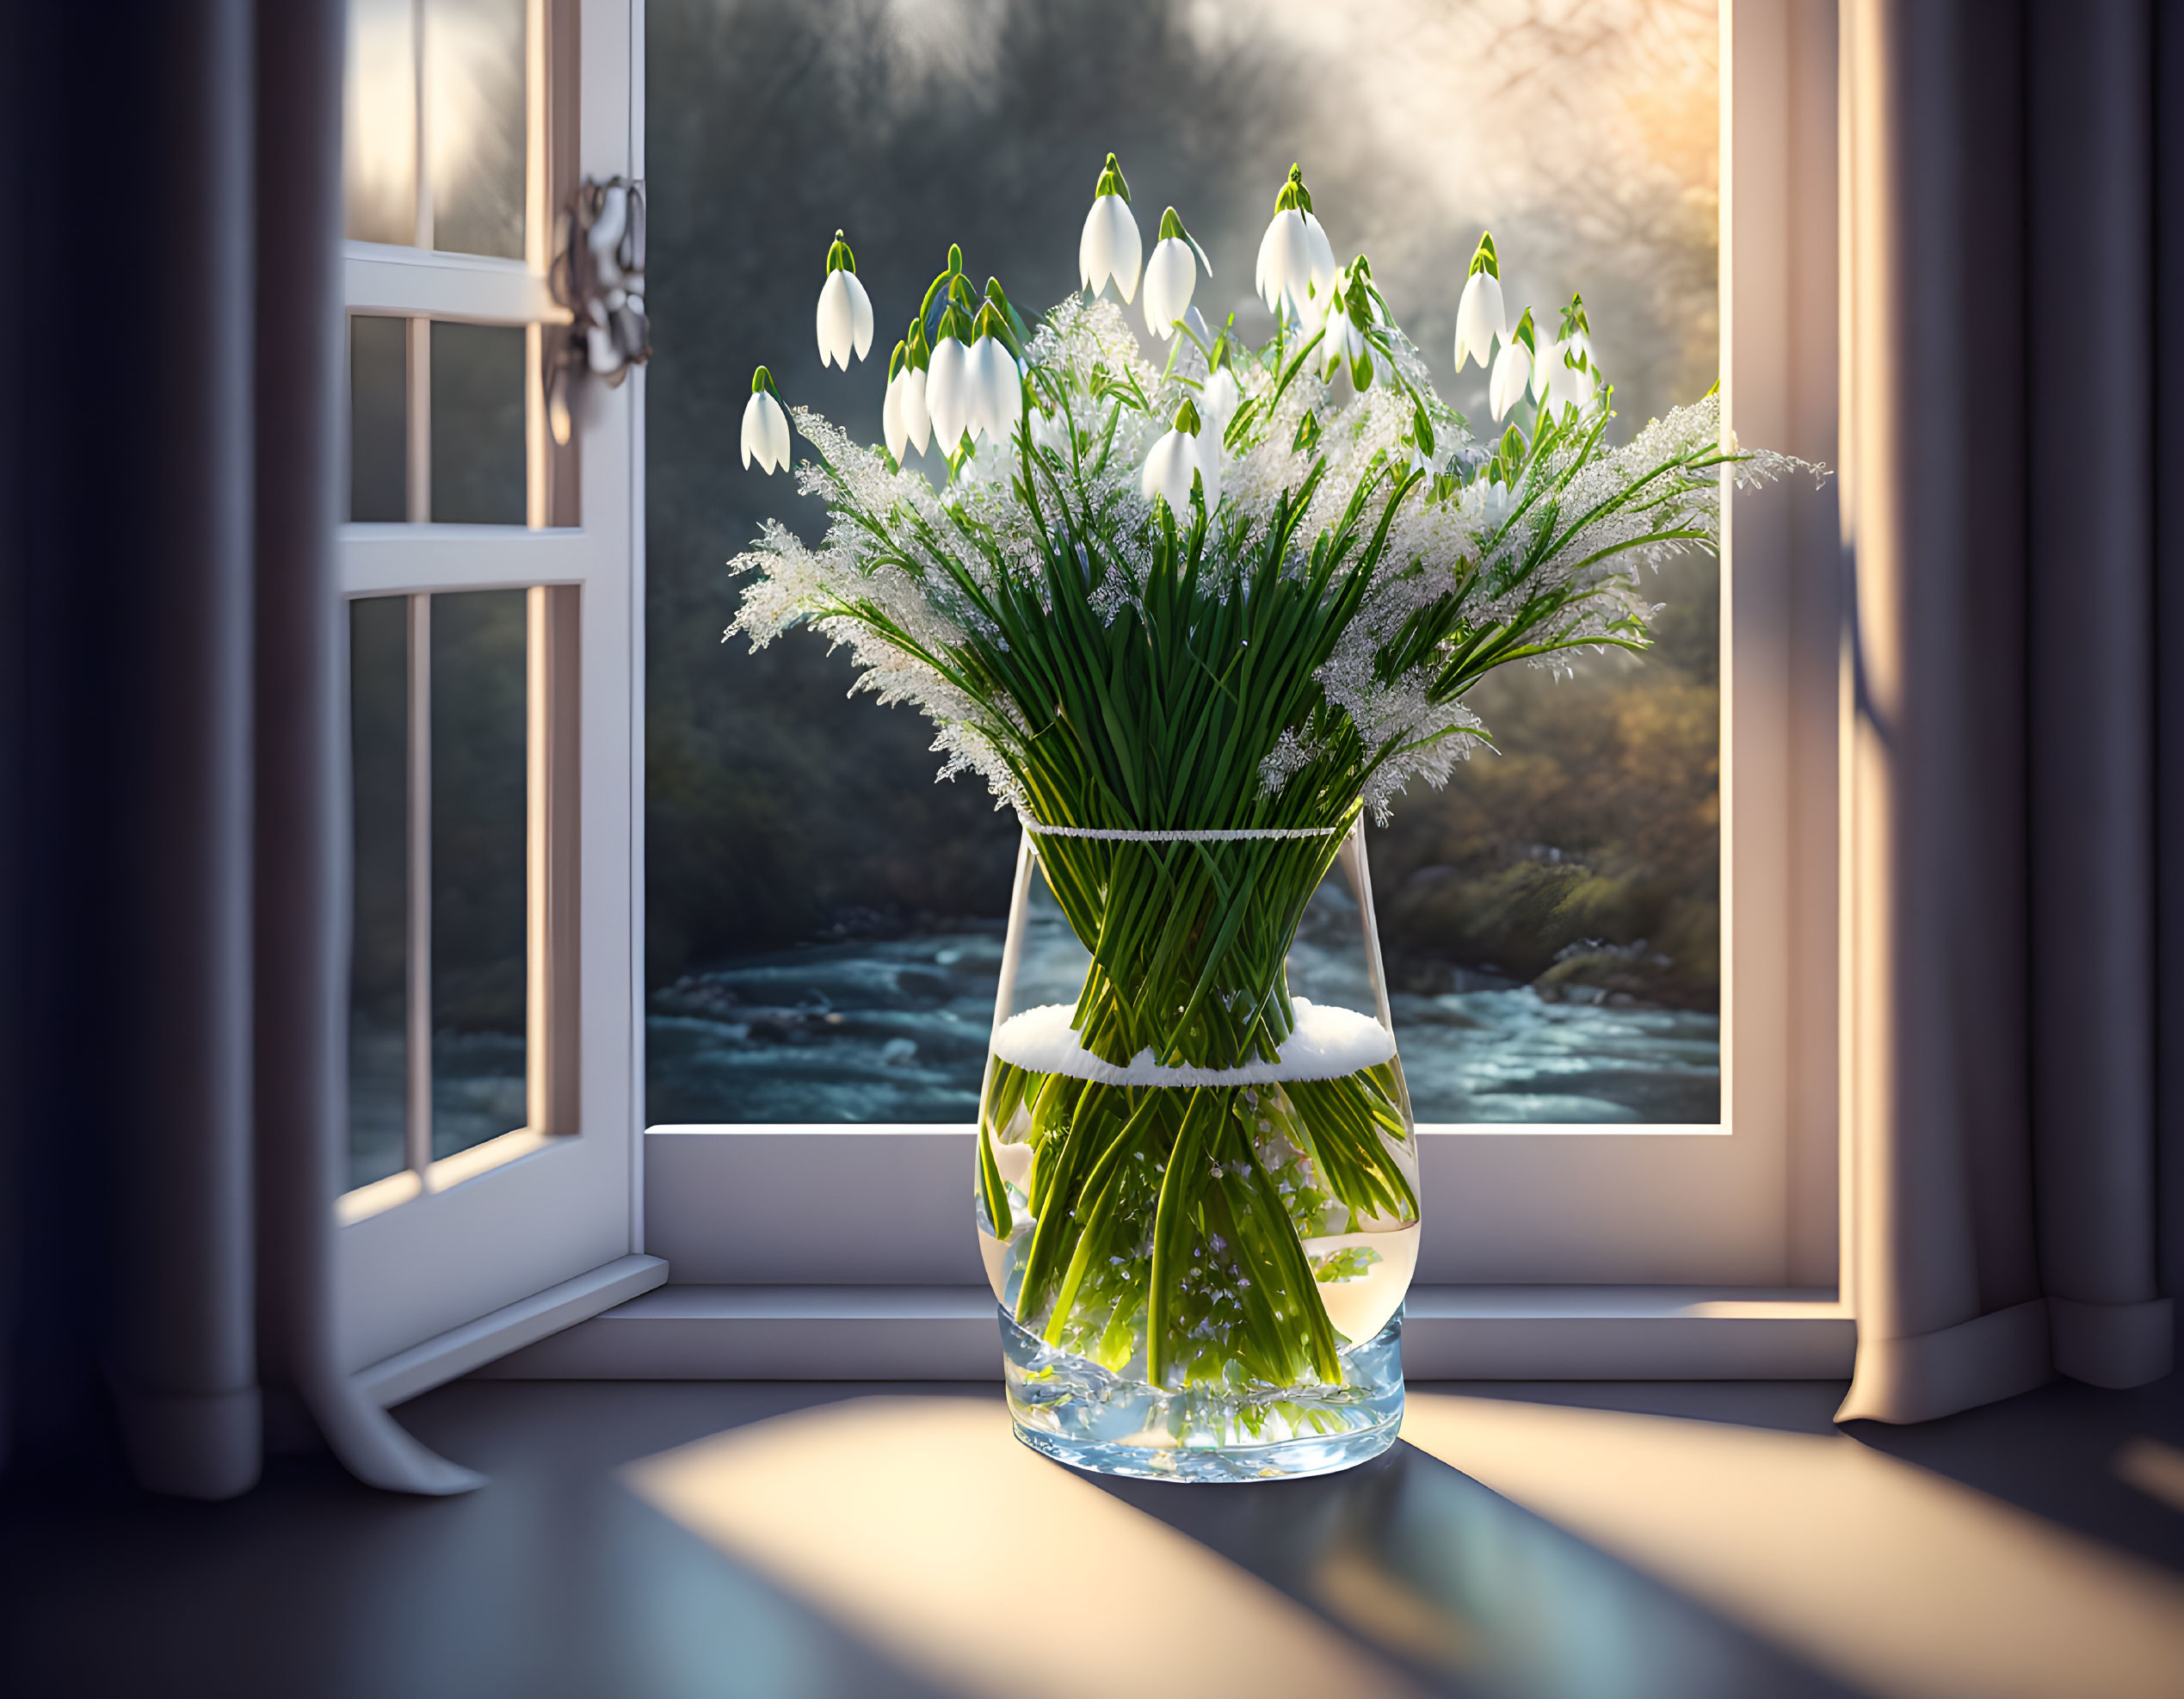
(478, 912)
(379, 122)
(1551, 920)
(379, 740)
(377, 419)
(477, 451)
(475, 123)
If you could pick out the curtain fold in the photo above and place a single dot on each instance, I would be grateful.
(178, 867)
(1999, 504)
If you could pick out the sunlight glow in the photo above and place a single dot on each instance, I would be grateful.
(380, 130)
(1904, 1583)
(912, 1522)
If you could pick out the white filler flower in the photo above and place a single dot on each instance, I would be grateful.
(1481, 319)
(1111, 246)
(765, 428)
(1171, 274)
(845, 310)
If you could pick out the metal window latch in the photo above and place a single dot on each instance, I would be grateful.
(598, 274)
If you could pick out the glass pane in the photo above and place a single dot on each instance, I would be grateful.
(380, 123)
(478, 864)
(379, 430)
(379, 672)
(477, 451)
(476, 123)
(1551, 917)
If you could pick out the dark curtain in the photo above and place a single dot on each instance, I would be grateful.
(172, 749)
(2011, 516)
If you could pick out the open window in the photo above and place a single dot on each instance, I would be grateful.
(1709, 1160)
(492, 567)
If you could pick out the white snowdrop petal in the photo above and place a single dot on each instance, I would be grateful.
(1319, 254)
(1167, 473)
(1497, 315)
(861, 316)
(1219, 400)
(1170, 276)
(751, 425)
(777, 431)
(835, 321)
(1125, 250)
(890, 420)
(1545, 365)
(1008, 388)
(944, 394)
(1093, 251)
(1512, 371)
(1475, 328)
(917, 422)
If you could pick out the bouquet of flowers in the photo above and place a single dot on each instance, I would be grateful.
(1190, 613)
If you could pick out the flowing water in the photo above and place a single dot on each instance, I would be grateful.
(896, 1031)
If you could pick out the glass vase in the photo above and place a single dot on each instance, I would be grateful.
(1197, 1180)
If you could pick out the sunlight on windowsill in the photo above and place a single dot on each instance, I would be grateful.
(913, 1522)
(1892, 1577)
(908, 1521)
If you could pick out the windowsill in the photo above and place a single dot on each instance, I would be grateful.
(1451, 1333)
(731, 1205)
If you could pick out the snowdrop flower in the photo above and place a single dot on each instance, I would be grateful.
(902, 415)
(1296, 262)
(1170, 276)
(947, 380)
(1179, 460)
(1487, 502)
(1567, 362)
(1110, 247)
(1481, 319)
(765, 428)
(845, 310)
(993, 384)
(1512, 368)
(1341, 341)
(1218, 396)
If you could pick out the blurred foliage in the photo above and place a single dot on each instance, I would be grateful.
(779, 809)
(1586, 849)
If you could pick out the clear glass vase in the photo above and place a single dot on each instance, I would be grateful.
(1197, 1184)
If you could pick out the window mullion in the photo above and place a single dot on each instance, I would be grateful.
(418, 1002)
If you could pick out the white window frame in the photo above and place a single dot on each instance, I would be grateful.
(1594, 1250)
(453, 1260)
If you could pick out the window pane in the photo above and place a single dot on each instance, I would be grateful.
(379, 673)
(479, 908)
(475, 124)
(1551, 917)
(380, 123)
(378, 432)
(477, 451)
